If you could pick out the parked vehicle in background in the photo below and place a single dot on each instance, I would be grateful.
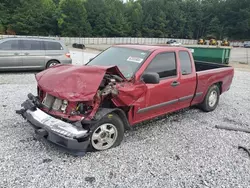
(225, 43)
(173, 42)
(202, 42)
(247, 44)
(88, 107)
(80, 46)
(32, 53)
(213, 42)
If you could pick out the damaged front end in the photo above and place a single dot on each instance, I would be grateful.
(71, 136)
(64, 109)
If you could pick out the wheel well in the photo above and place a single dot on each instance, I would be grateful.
(122, 112)
(52, 60)
(123, 115)
(109, 108)
(219, 84)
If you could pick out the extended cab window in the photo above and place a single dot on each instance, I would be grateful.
(164, 64)
(185, 61)
(9, 45)
(53, 46)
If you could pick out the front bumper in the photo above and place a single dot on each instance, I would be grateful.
(71, 137)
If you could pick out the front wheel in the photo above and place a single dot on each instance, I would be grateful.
(211, 99)
(107, 133)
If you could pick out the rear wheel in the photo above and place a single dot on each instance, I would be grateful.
(52, 63)
(107, 133)
(211, 99)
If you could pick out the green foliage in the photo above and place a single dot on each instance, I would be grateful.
(34, 18)
(2, 29)
(134, 15)
(72, 20)
(135, 18)
(214, 28)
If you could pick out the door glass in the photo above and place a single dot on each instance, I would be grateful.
(31, 45)
(164, 64)
(185, 61)
(9, 45)
(53, 46)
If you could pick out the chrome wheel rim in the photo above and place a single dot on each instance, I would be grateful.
(53, 64)
(104, 136)
(212, 98)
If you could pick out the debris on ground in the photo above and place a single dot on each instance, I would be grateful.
(232, 128)
(90, 179)
(245, 149)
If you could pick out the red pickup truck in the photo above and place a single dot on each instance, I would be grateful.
(84, 108)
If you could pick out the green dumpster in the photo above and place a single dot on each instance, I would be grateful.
(211, 53)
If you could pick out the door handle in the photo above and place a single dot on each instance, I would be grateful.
(175, 83)
(26, 53)
(16, 53)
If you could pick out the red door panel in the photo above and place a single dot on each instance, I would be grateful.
(162, 97)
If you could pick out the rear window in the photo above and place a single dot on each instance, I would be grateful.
(53, 46)
(31, 45)
(185, 61)
(9, 45)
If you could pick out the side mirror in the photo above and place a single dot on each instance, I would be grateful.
(151, 78)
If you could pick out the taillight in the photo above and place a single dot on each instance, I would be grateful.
(67, 55)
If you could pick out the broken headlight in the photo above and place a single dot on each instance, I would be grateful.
(57, 104)
(64, 105)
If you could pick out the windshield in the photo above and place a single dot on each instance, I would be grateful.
(126, 59)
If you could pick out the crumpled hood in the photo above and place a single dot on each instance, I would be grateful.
(72, 82)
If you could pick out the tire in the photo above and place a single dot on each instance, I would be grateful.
(52, 63)
(211, 99)
(107, 133)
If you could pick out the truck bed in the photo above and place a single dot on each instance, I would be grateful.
(202, 66)
(208, 74)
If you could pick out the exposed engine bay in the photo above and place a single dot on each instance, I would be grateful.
(54, 105)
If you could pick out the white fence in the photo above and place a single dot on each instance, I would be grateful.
(118, 40)
(123, 40)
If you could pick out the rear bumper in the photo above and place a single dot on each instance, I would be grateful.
(66, 61)
(71, 137)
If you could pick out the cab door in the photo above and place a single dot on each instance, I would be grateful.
(163, 97)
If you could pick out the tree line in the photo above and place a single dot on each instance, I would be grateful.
(134, 18)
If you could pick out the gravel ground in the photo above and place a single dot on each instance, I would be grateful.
(181, 150)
